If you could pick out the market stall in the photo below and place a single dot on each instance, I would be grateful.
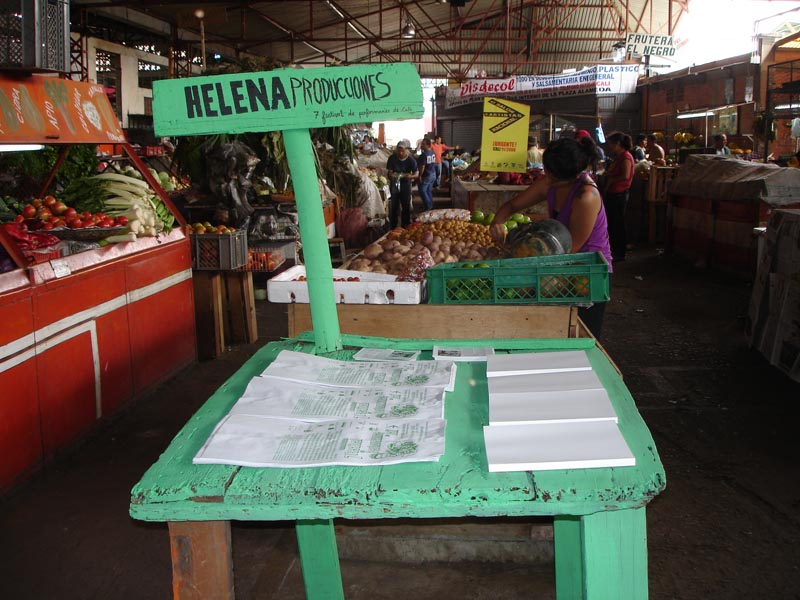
(715, 202)
(588, 530)
(87, 328)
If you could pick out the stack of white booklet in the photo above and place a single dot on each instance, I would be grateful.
(307, 411)
(549, 410)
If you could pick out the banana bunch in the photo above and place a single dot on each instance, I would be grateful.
(132, 198)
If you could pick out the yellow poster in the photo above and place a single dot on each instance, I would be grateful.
(504, 142)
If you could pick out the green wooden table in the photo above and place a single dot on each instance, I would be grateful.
(599, 514)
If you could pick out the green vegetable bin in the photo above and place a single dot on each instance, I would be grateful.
(563, 279)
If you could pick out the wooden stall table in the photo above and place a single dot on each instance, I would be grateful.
(599, 514)
(447, 321)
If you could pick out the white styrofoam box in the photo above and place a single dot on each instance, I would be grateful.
(373, 288)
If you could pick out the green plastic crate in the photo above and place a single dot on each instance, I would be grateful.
(563, 279)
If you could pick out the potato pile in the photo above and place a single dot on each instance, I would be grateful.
(446, 242)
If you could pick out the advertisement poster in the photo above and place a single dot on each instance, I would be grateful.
(504, 139)
(51, 110)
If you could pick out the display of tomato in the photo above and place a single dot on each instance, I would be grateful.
(29, 211)
(75, 223)
(43, 214)
(121, 220)
(48, 201)
(59, 208)
(70, 213)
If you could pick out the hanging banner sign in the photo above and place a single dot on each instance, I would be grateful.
(287, 99)
(641, 44)
(599, 80)
(504, 139)
(51, 110)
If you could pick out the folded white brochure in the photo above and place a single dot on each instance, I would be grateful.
(550, 407)
(556, 446)
(462, 353)
(252, 441)
(384, 354)
(299, 366)
(544, 382)
(271, 397)
(525, 363)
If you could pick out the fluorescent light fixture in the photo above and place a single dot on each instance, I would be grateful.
(20, 147)
(787, 106)
(708, 113)
(570, 71)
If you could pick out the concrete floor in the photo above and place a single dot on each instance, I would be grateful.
(724, 422)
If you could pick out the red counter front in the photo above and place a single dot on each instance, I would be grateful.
(84, 335)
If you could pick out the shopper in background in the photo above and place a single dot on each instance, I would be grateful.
(534, 153)
(596, 164)
(440, 148)
(638, 152)
(427, 174)
(573, 199)
(655, 153)
(617, 188)
(721, 144)
(401, 169)
(367, 146)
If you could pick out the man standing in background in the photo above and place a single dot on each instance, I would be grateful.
(427, 174)
(721, 145)
(438, 149)
(402, 170)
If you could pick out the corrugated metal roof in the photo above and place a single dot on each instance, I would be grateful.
(495, 37)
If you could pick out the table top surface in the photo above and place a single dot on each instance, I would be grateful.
(459, 484)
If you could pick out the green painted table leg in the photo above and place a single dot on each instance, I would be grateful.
(319, 558)
(602, 556)
(568, 556)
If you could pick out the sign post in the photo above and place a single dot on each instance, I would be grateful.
(292, 101)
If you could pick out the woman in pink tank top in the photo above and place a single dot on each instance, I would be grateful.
(573, 199)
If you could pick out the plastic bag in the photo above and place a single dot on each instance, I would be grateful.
(415, 267)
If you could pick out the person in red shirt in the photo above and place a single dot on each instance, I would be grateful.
(616, 191)
(438, 149)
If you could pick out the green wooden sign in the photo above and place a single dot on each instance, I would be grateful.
(286, 99)
(292, 101)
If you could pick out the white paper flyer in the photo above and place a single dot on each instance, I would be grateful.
(253, 441)
(271, 397)
(385, 354)
(462, 353)
(299, 366)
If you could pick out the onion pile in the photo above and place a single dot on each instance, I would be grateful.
(446, 241)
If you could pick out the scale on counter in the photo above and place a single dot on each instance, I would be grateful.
(275, 223)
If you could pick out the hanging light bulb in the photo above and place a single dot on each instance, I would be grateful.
(408, 31)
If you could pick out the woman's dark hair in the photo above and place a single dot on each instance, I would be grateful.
(640, 138)
(565, 158)
(623, 139)
(652, 137)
